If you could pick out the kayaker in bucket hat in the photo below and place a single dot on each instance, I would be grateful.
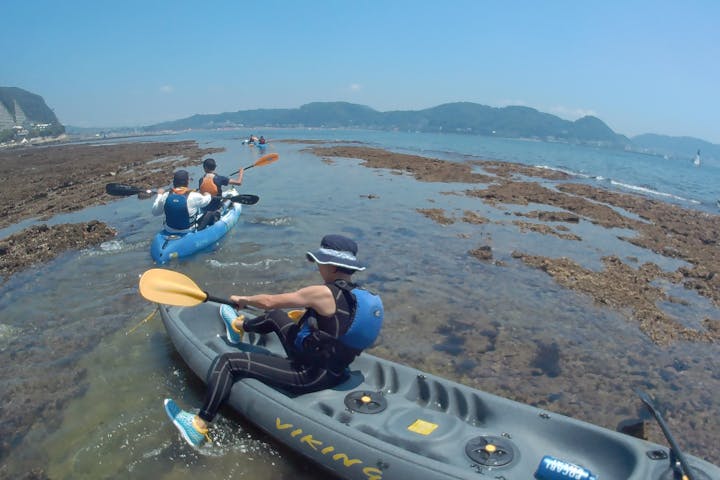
(338, 322)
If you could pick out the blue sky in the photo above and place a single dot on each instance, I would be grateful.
(640, 66)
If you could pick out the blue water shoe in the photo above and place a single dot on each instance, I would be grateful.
(184, 422)
(228, 315)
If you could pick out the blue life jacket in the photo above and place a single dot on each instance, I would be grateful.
(366, 322)
(176, 211)
(364, 312)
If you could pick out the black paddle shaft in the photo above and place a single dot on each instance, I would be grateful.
(666, 431)
(210, 298)
(122, 190)
(245, 199)
(238, 171)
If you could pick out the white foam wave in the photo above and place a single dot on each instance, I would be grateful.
(7, 333)
(111, 246)
(650, 191)
(566, 171)
(272, 221)
(627, 186)
(105, 248)
(263, 264)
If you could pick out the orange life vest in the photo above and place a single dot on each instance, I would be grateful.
(208, 185)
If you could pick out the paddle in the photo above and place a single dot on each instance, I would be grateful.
(172, 288)
(674, 448)
(264, 160)
(122, 190)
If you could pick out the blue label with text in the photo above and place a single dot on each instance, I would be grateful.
(552, 468)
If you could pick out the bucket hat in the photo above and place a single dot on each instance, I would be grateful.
(336, 250)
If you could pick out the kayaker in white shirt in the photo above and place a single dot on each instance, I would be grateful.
(181, 206)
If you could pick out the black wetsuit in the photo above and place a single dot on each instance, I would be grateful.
(321, 364)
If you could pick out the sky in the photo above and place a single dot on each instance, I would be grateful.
(640, 66)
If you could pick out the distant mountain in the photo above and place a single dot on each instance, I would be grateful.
(26, 114)
(676, 147)
(462, 117)
(26, 107)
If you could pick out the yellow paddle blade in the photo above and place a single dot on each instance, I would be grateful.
(170, 288)
(266, 159)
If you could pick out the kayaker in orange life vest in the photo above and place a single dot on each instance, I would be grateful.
(212, 183)
(180, 205)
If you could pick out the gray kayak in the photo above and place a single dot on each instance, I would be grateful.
(390, 421)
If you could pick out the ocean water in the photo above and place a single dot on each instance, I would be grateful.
(671, 180)
(675, 181)
(500, 326)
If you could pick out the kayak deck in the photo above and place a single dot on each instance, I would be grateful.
(389, 420)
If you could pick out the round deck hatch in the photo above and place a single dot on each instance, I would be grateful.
(490, 451)
(362, 401)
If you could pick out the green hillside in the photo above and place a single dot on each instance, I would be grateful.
(21, 108)
(462, 117)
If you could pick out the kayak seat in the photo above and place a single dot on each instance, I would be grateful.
(355, 378)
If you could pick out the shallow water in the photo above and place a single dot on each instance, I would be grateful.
(505, 328)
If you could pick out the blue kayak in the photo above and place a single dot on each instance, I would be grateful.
(166, 246)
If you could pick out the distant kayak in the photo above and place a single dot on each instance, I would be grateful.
(389, 421)
(167, 246)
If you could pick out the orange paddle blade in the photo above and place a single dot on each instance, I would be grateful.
(170, 288)
(266, 159)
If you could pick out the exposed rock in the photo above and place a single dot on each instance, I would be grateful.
(473, 218)
(44, 181)
(544, 229)
(621, 287)
(436, 214)
(661, 227)
(482, 253)
(41, 243)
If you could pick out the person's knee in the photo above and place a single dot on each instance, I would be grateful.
(218, 364)
(224, 359)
